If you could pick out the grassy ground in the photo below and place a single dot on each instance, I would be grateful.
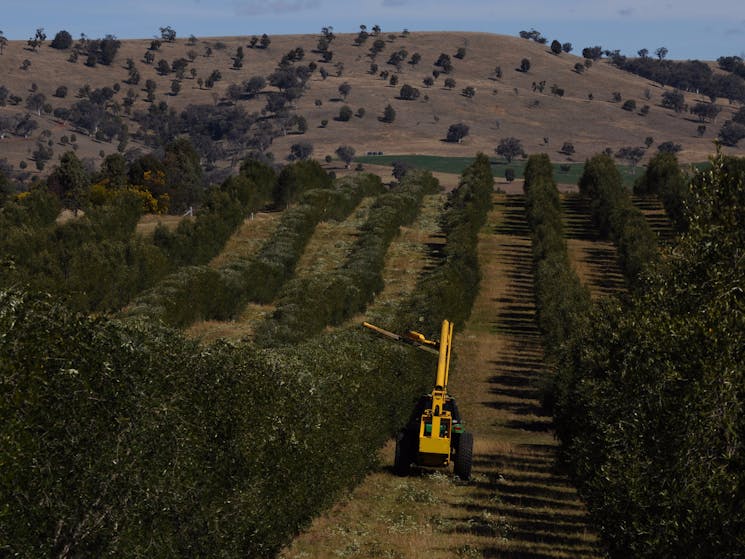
(407, 257)
(594, 259)
(517, 505)
(331, 241)
(149, 222)
(657, 218)
(249, 237)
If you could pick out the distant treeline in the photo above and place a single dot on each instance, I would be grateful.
(690, 75)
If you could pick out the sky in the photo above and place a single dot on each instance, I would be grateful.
(689, 29)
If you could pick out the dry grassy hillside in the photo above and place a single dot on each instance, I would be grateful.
(501, 107)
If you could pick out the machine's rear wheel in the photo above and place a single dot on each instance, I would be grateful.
(464, 456)
(403, 456)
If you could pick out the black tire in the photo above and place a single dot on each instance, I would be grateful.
(403, 456)
(464, 456)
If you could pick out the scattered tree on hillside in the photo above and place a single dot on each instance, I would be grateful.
(150, 86)
(509, 148)
(389, 114)
(444, 62)
(669, 147)
(449, 83)
(629, 105)
(567, 47)
(408, 93)
(415, 59)
(163, 68)
(706, 111)
(469, 91)
(661, 53)
(301, 150)
(213, 78)
(731, 133)
(345, 113)
(344, 90)
(168, 34)
(456, 132)
(38, 39)
(567, 148)
(461, 53)
(377, 46)
(592, 53)
(62, 40)
(254, 85)
(346, 154)
(265, 41)
(555, 47)
(533, 35)
(400, 168)
(673, 100)
(429, 81)
(35, 102)
(524, 65)
(631, 154)
(3, 42)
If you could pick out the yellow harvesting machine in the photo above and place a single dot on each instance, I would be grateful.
(434, 436)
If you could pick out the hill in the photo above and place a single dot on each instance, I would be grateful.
(550, 104)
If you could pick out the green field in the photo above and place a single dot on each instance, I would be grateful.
(565, 173)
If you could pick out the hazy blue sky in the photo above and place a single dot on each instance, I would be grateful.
(688, 28)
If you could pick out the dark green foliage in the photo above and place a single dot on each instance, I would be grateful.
(197, 241)
(664, 178)
(62, 40)
(306, 305)
(731, 133)
(651, 407)
(673, 100)
(201, 292)
(688, 75)
(70, 181)
(614, 214)
(132, 441)
(345, 113)
(449, 289)
(408, 92)
(296, 178)
(561, 300)
(389, 114)
(93, 262)
(456, 132)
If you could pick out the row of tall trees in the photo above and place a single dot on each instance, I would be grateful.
(124, 438)
(650, 404)
(306, 305)
(203, 292)
(561, 300)
(615, 216)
